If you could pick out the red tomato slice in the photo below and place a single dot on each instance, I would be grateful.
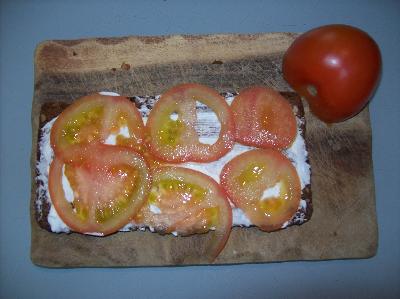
(92, 119)
(248, 179)
(109, 185)
(176, 140)
(188, 202)
(263, 118)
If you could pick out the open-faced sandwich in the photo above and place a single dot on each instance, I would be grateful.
(187, 162)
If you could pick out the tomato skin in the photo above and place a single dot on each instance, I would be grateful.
(185, 145)
(336, 68)
(245, 179)
(99, 178)
(263, 118)
(91, 119)
(185, 198)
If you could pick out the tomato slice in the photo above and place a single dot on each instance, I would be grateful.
(95, 119)
(109, 186)
(263, 118)
(188, 202)
(171, 125)
(265, 185)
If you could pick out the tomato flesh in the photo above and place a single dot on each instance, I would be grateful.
(92, 119)
(109, 186)
(171, 125)
(263, 118)
(336, 68)
(187, 202)
(248, 180)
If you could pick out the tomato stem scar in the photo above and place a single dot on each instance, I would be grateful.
(312, 90)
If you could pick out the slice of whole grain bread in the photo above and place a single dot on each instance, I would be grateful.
(49, 111)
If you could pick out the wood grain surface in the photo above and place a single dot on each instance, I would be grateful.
(344, 221)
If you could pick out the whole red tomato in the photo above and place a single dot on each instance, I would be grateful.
(336, 68)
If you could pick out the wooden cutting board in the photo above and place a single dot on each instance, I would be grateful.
(344, 221)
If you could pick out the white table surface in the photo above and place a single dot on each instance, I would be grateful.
(23, 24)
